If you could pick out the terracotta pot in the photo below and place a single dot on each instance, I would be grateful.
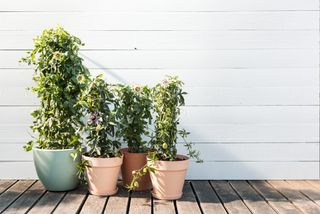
(102, 174)
(168, 180)
(134, 161)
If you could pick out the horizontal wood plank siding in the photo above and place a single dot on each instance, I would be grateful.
(250, 67)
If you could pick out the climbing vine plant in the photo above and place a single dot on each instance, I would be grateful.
(134, 116)
(59, 77)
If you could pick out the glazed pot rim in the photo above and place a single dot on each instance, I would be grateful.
(52, 150)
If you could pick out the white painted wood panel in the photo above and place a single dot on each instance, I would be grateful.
(158, 5)
(251, 69)
(168, 40)
(242, 133)
(12, 115)
(212, 170)
(273, 152)
(198, 59)
(273, 20)
(203, 96)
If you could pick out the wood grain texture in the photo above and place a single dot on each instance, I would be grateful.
(307, 189)
(229, 198)
(73, 201)
(187, 203)
(274, 198)
(27, 200)
(47, 203)
(296, 197)
(118, 203)
(5, 184)
(209, 201)
(14, 192)
(140, 202)
(163, 207)
(251, 198)
(94, 204)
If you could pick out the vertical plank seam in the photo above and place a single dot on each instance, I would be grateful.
(82, 202)
(105, 205)
(196, 197)
(260, 194)
(36, 201)
(129, 202)
(284, 196)
(61, 199)
(175, 206)
(219, 198)
(245, 204)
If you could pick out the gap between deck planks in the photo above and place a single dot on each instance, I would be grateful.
(221, 197)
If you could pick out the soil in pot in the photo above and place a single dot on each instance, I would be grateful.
(168, 180)
(56, 168)
(131, 162)
(102, 175)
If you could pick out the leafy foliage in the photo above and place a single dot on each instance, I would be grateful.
(59, 76)
(134, 115)
(98, 101)
(168, 97)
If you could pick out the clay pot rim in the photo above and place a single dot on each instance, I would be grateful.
(103, 162)
(126, 150)
(185, 158)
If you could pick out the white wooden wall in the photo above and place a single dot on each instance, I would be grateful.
(251, 68)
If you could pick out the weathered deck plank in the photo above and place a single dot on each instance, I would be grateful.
(47, 203)
(188, 203)
(72, 202)
(274, 198)
(251, 198)
(296, 197)
(27, 200)
(163, 207)
(140, 202)
(307, 189)
(315, 183)
(282, 197)
(11, 194)
(94, 204)
(117, 203)
(209, 201)
(230, 199)
(5, 184)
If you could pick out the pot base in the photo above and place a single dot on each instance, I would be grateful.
(103, 194)
(166, 197)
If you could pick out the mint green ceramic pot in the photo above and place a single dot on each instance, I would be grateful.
(56, 168)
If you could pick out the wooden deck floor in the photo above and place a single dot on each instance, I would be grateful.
(29, 196)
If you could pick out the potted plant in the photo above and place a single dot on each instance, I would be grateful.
(102, 158)
(134, 117)
(168, 168)
(59, 77)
